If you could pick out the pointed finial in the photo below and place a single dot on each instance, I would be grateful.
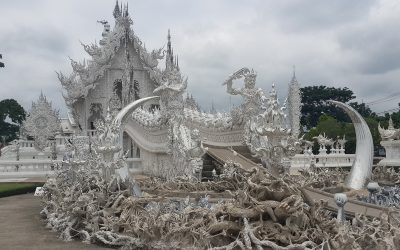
(117, 11)
(172, 57)
(390, 123)
(127, 10)
(108, 114)
(294, 71)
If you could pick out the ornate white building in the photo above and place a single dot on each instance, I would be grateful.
(165, 137)
(120, 71)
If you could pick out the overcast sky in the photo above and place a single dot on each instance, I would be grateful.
(335, 43)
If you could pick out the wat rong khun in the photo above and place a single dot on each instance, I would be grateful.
(136, 165)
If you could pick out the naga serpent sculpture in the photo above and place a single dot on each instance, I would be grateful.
(130, 108)
(361, 169)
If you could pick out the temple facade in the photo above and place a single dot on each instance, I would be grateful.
(120, 70)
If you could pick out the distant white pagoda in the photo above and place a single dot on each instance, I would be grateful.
(294, 105)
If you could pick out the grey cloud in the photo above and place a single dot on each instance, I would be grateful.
(314, 15)
(337, 43)
(44, 42)
(377, 46)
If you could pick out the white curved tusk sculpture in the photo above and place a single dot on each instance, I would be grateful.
(130, 108)
(361, 169)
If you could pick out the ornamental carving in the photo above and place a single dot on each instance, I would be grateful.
(42, 122)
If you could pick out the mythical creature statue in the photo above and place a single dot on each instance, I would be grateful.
(74, 87)
(342, 143)
(265, 130)
(172, 114)
(108, 139)
(196, 153)
(323, 141)
(151, 60)
(307, 146)
(390, 133)
(171, 95)
(253, 98)
(269, 138)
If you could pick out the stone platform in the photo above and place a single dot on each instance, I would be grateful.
(22, 228)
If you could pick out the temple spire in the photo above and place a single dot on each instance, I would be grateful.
(169, 57)
(294, 104)
(171, 60)
(127, 10)
(117, 11)
(294, 71)
(294, 80)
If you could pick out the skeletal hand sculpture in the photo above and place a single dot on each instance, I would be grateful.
(341, 200)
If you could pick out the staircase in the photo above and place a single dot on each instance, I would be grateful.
(245, 151)
(216, 157)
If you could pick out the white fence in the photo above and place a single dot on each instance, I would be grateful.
(28, 165)
(323, 161)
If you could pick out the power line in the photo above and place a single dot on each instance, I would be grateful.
(389, 110)
(385, 99)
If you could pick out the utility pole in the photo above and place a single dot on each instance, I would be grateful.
(1, 64)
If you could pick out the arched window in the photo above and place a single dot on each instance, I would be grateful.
(136, 89)
(117, 88)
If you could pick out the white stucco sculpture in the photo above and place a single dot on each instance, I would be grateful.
(361, 169)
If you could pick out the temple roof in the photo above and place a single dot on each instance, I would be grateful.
(86, 74)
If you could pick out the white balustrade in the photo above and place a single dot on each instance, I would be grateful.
(325, 160)
(27, 165)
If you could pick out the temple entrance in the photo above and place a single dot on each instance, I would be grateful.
(130, 146)
(96, 113)
(117, 88)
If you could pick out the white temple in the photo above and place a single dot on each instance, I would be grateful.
(165, 137)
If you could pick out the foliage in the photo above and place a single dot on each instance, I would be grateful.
(363, 109)
(9, 189)
(1, 63)
(314, 103)
(324, 118)
(332, 128)
(10, 108)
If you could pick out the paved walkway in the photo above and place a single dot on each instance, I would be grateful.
(21, 227)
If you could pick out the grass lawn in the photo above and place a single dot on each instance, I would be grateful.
(8, 189)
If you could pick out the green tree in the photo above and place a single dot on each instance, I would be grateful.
(10, 108)
(332, 128)
(1, 64)
(363, 109)
(314, 103)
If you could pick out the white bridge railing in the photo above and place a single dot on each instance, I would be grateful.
(40, 165)
(323, 161)
(28, 165)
